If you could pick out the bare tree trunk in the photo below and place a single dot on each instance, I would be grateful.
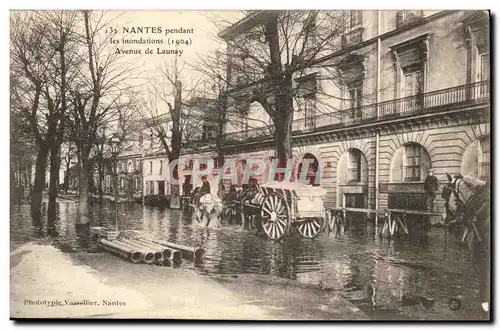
(83, 186)
(39, 184)
(283, 127)
(100, 170)
(53, 182)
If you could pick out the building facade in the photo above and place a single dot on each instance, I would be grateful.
(414, 94)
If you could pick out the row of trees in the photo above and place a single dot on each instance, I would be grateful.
(68, 89)
(65, 86)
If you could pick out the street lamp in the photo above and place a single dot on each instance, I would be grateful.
(114, 144)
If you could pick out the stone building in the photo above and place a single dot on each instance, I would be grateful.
(413, 94)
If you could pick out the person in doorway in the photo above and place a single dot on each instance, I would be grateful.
(431, 186)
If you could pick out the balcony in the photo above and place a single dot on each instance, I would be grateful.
(405, 17)
(352, 38)
(417, 104)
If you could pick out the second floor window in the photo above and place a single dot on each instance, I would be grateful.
(130, 167)
(150, 168)
(413, 86)
(355, 99)
(356, 18)
(310, 109)
(160, 171)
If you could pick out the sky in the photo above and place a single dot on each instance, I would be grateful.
(202, 41)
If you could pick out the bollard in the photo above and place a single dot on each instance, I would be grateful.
(126, 252)
(147, 254)
(193, 252)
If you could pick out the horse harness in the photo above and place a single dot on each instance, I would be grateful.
(469, 211)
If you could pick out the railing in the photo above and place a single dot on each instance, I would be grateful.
(352, 38)
(251, 133)
(421, 103)
(404, 17)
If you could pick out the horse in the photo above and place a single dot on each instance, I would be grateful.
(207, 210)
(467, 210)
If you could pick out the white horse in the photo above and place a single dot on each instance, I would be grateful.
(467, 211)
(207, 211)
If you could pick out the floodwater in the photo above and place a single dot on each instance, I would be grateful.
(388, 278)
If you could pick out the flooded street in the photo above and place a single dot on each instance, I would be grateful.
(398, 278)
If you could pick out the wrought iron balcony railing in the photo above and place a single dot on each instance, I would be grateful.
(417, 104)
(404, 17)
(352, 38)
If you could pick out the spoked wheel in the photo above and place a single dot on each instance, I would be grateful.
(275, 216)
(310, 227)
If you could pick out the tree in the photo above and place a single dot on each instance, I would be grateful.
(168, 123)
(268, 51)
(99, 90)
(43, 53)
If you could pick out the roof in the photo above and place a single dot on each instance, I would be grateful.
(251, 20)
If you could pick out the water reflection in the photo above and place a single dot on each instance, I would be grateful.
(387, 278)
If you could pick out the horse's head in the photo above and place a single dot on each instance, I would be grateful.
(457, 192)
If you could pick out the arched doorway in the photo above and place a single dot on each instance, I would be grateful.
(352, 179)
(409, 168)
(312, 164)
(476, 159)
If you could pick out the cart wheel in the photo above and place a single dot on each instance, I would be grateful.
(310, 227)
(275, 216)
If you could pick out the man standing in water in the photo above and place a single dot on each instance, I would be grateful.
(431, 186)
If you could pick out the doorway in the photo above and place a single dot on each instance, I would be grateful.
(161, 188)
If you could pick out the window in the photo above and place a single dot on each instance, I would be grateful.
(484, 67)
(411, 66)
(483, 75)
(122, 182)
(356, 18)
(130, 167)
(484, 158)
(307, 88)
(160, 171)
(136, 182)
(311, 29)
(141, 138)
(310, 110)
(355, 99)
(413, 86)
(413, 162)
(354, 166)
(208, 132)
(150, 168)
(138, 164)
(404, 17)
(150, 141)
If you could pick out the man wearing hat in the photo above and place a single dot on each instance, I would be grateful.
(203, 190)
(431, 187)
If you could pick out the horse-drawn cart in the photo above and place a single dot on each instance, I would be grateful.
(276, 208)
